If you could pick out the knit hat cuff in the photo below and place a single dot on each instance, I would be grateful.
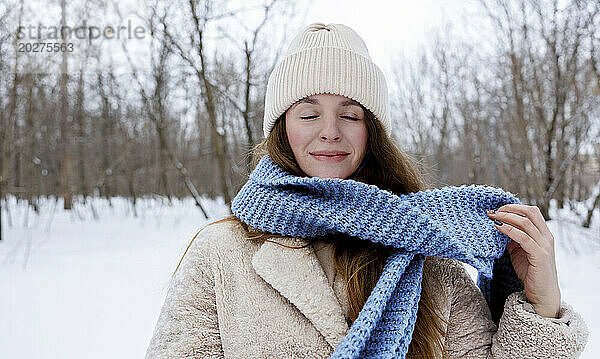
(326, 70)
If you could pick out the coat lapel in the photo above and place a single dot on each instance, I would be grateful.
(299, 277)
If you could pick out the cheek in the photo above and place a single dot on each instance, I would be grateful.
(297, 138)
(359, 139)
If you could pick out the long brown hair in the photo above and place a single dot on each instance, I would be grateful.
(361, 262)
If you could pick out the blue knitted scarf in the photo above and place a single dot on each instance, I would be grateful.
(449, 222)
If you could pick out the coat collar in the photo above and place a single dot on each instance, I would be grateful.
(298, 276)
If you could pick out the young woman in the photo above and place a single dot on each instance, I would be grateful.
(335, 239)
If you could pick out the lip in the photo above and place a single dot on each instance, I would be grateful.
(330, 156)
(329, 153)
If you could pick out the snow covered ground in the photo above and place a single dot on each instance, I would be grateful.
(73, 286)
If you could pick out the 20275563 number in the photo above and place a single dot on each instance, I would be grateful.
(45, 47)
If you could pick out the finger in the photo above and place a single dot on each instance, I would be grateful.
(523, 223)
(532, 212)
(512, 246)
(523, 239)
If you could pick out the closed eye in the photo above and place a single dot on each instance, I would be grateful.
(348, 117)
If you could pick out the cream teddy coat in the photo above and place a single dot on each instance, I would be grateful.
(238, 298)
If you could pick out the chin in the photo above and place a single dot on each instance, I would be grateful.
(328, 174)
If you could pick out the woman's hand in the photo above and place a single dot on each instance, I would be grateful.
(532, 255)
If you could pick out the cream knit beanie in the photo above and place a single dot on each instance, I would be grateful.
(326, 59)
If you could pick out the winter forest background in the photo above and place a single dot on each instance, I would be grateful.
(114, 154)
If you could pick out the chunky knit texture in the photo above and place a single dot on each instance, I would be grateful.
(449, 222)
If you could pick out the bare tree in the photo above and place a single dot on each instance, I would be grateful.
(156, 110)
(65, 122)
(543, 47)
(6, 134)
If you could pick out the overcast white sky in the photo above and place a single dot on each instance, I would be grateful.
(393, 29)
(387, 27)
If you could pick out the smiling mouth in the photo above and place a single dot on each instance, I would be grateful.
(329, 153)
(321, 155)
(330, 157)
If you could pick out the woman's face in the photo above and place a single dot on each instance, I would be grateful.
(328, 135)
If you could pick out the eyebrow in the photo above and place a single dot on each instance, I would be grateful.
(316, 102)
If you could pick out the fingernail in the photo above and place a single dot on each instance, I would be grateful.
(498, 222)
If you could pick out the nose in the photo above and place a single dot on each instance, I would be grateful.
(330, 130)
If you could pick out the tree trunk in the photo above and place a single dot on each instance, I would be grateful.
(588, 219)
(246, 113)
(65, 126)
